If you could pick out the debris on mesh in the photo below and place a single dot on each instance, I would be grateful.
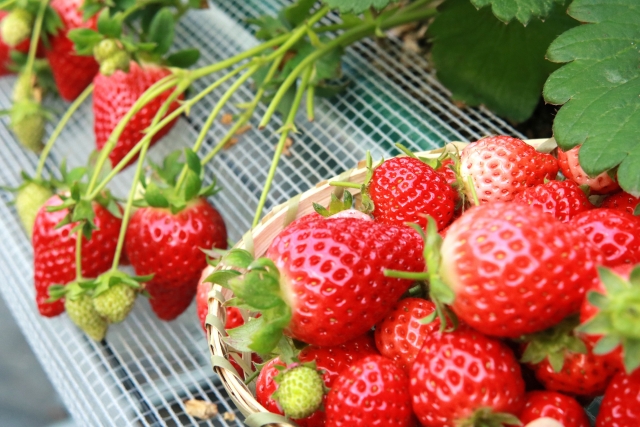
(226, 119)
(201, 409)
(229, 416)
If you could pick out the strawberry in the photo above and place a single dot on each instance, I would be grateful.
(553, 405)
(514, 269)
(564, 362)
(71, 72)
(615, 233)
(562, 199)
(621, 403)
(610, 315)
(323, 265)
(571, 169)
(266, 386)
(621, 201)
(115, 293)
(5, 49)
(497, 168)
(234, 316)
(168, 245)
(28, 120)
(400, 335)
(54, 251)
(300, 391)
(405, 189)
(114, 96)
(79, 307)
(30, 197)
(16, 26)
(373, 391)
(464, 376)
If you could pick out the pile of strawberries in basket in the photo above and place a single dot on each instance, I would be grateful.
(514, 296)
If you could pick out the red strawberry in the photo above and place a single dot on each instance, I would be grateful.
(562, 199)
(400, 335)
(234, 317)
(515, 270)
(554, 405)
(463, 374)
(54, 251)
(335, 359)
(621, 201)
(266, 387)
(373, 391)
(621, 404)
(331, 274)
(615, 233)
(570, 167)
(500, 167)
(114, 96)
(614, 318)
(405, 189)
(168, 245)
(71, 72)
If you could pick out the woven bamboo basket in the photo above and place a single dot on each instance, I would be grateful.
(257, 241)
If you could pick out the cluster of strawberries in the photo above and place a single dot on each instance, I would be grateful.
(524, 306)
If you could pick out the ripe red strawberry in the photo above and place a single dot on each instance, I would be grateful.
(516, 270)
(266, 387)
(621, 404)
(71, 72)
(405, 189)
(570, 167)
(400, 335)
(553, 405)
(169, 246)
(463, 374)
(54, 251)
(615, 233)
(234, 317)
(373, 391)
(562, 199)
(500, 167)
(114, 96)
(621, 201)
(331, 274)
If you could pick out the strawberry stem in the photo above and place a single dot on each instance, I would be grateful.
(396, 274)
(79, 255)
(7, 3)
(286, 129)
(59, 127)
(311, 110)
(345, 184)
(35, 38)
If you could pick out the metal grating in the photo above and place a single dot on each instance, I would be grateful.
(146, 368)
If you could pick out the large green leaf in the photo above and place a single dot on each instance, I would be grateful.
(357, 6)
(485, 61)
(600, 88)
(522, 10)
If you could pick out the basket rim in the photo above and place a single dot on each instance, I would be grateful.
(256, 241)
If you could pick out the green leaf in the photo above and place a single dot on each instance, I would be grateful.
(162, 31)
(612, 282)
(193, 161)
(484, 61)
(261, 291)
(83, 212)
(109, 26)
(222, 277)
(357, 6)
(84, 40)
(599, 88)
(298, 12)
(522, 10)
(631, 355)
(153, 195)
(238, 258)
(192, 185)
(184, 58)
(240, 337)
(606, 344)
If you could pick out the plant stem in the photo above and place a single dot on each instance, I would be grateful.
(79, 255)
(59, 127)
(345, 184)
(406, 275)
(311, 113)
(35, 38)
(7, 3)
(286, 129)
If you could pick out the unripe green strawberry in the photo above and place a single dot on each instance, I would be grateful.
(115, 303)
(22, 88)
(118, 61)
(27, 122)
(29, 199)
(105, 49)
(83, 314)
(16, 27)
(300, 391)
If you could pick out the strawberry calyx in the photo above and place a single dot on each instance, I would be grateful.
(617, 317)
(256, 286)
(485, 417)
(553, 344)
(335, 205)
(300, 390)
(163, 189)
(115, 292)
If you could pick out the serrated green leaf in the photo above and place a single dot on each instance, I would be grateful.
(522, 10)
(153, 195)
(84, 40)
(162, 31)
(599, 88)
(298, 12)
(193, 161)
(238, 258)
(184, 58)
(222, 277)
(484, 61)
(192, 185)
(260, 291)
(109, 26)
(357, 6)
(240, 338)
